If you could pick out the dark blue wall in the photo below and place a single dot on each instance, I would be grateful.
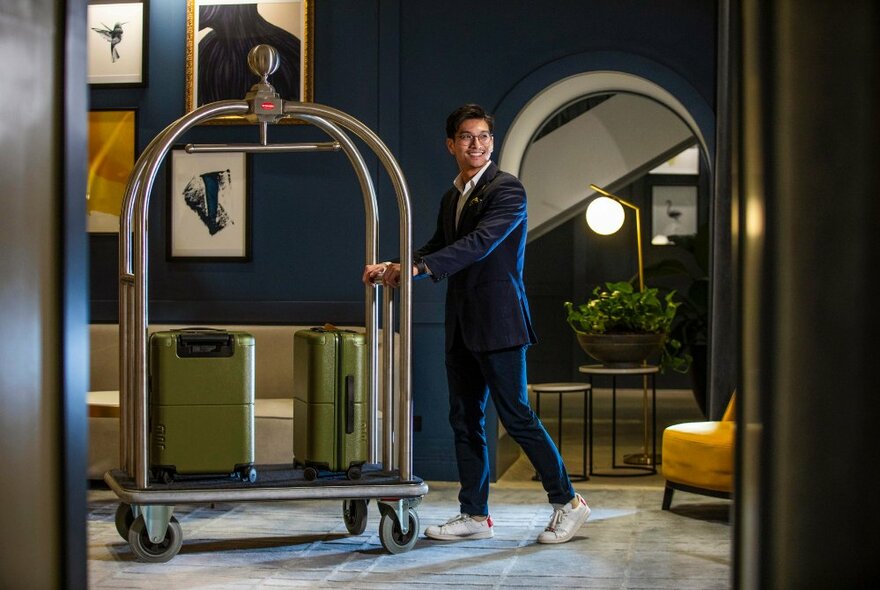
(399, 67)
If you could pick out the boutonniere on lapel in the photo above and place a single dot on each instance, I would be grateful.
(475, 201)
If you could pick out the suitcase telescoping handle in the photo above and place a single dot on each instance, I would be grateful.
(204, 342)
(332, 328)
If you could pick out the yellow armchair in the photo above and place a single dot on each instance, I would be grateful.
(698, 457)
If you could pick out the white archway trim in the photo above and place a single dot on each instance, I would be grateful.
(557, 95)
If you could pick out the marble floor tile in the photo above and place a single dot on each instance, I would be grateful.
(628, 542)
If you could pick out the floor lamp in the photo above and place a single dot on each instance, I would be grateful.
(605, 215)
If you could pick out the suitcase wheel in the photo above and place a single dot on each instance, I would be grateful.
(310, 473)
(354, 472)
(248, 474)
(164, 475)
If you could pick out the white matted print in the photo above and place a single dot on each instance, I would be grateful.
(673, 212)
(209, 206)
(115, 41)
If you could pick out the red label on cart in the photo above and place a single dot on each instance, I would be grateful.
(267, 106)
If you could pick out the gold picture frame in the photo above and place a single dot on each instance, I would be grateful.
(287, 25)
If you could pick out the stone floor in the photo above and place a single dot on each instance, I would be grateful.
(627, 543)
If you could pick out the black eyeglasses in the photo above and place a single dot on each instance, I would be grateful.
(467, 138)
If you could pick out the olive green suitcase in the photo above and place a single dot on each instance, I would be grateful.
(329, 401)
(202, 403)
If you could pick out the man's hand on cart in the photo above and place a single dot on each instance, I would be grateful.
(387, 273)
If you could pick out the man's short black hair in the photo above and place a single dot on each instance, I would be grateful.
(465, 112)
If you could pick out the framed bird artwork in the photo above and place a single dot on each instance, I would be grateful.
(673, 212)
(117, 43)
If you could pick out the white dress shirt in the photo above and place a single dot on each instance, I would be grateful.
(466, 189)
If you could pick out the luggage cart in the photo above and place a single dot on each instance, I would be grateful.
(145, 516)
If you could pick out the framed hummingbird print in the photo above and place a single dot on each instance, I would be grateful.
(117, 43)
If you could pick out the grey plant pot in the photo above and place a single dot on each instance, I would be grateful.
(621, 351)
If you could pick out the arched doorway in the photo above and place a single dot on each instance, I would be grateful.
(558, 94)
(529, 106)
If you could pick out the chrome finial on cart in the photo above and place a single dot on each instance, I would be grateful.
(265, 104)
(263, 60)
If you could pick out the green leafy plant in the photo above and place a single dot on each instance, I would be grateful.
(618, 308)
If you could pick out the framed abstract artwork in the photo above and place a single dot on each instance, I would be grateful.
(220, 33)
(112, 146)
(117, 43)
(208, 213)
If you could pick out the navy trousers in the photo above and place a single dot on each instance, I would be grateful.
(473, 376)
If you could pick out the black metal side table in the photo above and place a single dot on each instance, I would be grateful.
(647, 371)
(559, 389)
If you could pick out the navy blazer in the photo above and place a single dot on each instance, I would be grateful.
(483, 260)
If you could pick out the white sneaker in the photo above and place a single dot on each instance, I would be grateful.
(462, 526)
(565, 522)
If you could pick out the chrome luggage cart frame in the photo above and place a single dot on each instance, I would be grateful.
(145, 515)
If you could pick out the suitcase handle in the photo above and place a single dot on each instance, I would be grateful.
(330, 328)
(205, 343)
(349, 404)
(193, 330)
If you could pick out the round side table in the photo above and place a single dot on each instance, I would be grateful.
(647, 371)
(560, 389)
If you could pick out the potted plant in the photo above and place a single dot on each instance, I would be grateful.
(621, 326)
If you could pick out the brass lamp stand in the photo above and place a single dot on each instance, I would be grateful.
(643, 458)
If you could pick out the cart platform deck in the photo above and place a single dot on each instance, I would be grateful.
(275, 482)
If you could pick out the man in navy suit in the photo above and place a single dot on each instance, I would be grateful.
(479, 245)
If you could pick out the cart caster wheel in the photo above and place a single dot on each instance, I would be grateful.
(354, 514)
(310, 473)
(354, 472)
(124, 520)
(248, 474)
(392, 539)
(146, 550)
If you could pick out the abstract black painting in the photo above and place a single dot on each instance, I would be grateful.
(208, 206)
(220, 33)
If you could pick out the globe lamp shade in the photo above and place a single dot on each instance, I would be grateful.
(605, 216)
